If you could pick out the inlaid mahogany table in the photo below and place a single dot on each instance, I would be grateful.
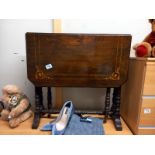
(77, 60)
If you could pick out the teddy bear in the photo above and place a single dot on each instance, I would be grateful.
(147, 47)
(16, 107)
(1, 106)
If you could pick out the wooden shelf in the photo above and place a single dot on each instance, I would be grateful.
(25, 128)
(138, 96)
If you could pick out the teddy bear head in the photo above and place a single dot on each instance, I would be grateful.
(152, 21)
(10, 95)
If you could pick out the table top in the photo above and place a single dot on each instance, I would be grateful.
(77, 60)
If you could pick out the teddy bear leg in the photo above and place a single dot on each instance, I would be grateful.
(143, 50)
(25, 116)
(5, 114)
(16, 121)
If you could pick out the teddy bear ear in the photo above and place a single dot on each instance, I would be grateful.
(151, 20)
(11, 89)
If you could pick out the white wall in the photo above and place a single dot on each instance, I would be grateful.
(13, 53)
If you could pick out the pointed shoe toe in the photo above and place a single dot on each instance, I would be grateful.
(47, 127)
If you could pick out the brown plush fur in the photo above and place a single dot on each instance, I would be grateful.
(14, 115)
(150, 40)
(1, 106)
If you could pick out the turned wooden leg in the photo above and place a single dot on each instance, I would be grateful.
(38, 107)
(115, 110)
(107, 104)
(49, 100)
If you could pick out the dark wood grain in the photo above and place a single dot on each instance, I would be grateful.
(107, 105)
(79, 60)
(115, 110)
(49, 99)
(38, 107)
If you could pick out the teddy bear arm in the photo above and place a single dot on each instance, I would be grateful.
(19, 109)
(146, 38)
(1, 108)
(16, 121)
(5, 114)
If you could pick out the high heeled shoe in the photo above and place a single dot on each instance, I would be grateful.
(48, 126)
(59, 125)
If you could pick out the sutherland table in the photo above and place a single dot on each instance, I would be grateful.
(77, 60)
